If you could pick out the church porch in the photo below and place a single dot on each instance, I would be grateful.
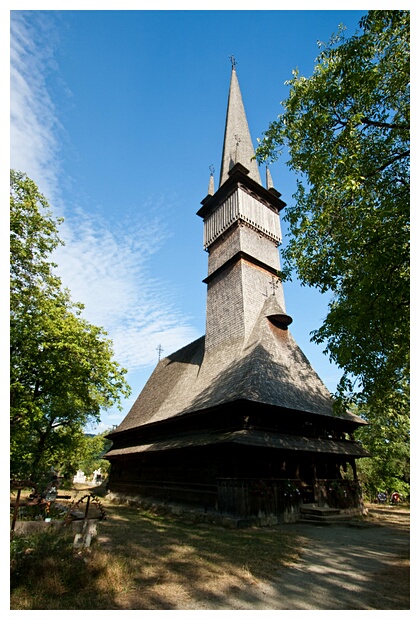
(238, 480)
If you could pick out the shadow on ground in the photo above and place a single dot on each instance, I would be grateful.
(149, 561)
(183, 566)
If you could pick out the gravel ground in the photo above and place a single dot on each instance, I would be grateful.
(342, 567)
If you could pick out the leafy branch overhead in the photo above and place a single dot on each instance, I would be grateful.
(347, 132)
(62, 367)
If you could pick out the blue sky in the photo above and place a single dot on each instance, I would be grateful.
(117, 116)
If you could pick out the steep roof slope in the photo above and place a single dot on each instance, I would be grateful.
(269, 368)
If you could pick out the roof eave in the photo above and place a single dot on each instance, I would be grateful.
(238, 175)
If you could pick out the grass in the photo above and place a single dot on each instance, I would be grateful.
(47, 574)
(145, 561)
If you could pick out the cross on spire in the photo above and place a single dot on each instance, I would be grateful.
(233, 61)
(159, 349)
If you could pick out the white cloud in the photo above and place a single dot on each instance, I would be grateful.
(34, 125)
(106, 266)
(109, 272)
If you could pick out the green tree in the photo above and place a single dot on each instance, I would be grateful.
(62, 367)
(88, 456)
(388, 440)
(346, 129)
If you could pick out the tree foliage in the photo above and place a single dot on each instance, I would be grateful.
(346, 129)
(62, 367)
(88, 456)
(387, 438)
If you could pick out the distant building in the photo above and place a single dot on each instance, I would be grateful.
(79, 478)
(238, 420)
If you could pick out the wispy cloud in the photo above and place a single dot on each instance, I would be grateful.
(35, 128)
(107, 267)
(109, 271)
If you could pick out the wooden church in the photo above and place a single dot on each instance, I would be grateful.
(238, 421)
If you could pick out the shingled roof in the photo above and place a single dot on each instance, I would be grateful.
(237, 144)
(269, 368)
(254, 438)
(266, 367)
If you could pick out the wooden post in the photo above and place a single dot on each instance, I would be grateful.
(87, 507)
(353, 466)
(83, 539)
(15, 512)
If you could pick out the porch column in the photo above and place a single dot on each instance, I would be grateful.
(353, 466)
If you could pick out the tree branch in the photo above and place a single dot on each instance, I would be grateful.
(367, 121)
(388, 163)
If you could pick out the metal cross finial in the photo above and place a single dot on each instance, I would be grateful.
(233, 61)
(211, 168)
(274, 284)
(159, 349)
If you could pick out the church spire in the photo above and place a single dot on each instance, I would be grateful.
(237, 146)
(210, 191)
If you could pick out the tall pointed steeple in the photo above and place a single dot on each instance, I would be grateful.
(241, 404)
(241, 235)
(237, 146)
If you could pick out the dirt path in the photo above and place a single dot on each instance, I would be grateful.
(344, 568)
(339, 567)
